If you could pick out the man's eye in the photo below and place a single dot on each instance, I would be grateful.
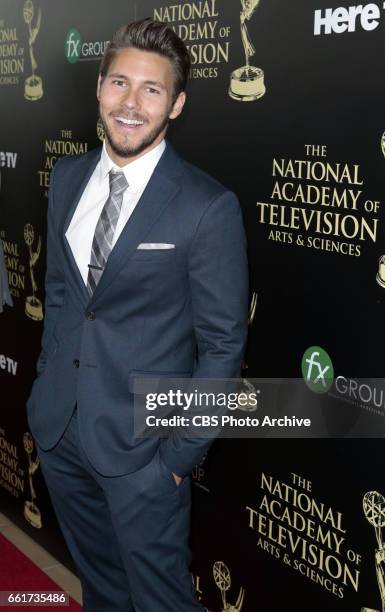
(152, 90)
(119, 82)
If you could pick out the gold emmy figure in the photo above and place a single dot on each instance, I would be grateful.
(222, 579)
(245, 385)
(247, 83)
(33, 89)
(100, 129)
(253, 305)
(380, 278)
(33, 306)
(31, 511)
(374, 510)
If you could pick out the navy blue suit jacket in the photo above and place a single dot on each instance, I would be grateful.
(179, 312)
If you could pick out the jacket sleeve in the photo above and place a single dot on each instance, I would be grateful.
(218, 277)
(54, 279)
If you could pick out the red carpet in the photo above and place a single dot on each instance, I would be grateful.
(18, 573)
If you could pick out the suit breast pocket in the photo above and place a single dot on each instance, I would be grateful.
(160, 272)
(160, 256)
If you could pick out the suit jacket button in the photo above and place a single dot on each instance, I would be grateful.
(90, 316)
(76, 363)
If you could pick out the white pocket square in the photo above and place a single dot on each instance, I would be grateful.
(155, 245)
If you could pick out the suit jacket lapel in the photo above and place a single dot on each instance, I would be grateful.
(160, 190)
(74, 191)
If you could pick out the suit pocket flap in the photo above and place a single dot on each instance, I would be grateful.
(155, 255)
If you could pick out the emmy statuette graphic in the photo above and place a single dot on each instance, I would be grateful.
(100, 130)
(245, 385)
(247, 83)
(380, 277)
(31, 511)
(33, 306)
(222, 579)
(253, 305)
(33, 89)
(374, 510)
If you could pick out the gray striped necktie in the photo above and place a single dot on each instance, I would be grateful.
(105, 229)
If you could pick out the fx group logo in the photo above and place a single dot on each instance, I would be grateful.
(72, 45)
(317, 369)
(76, 50)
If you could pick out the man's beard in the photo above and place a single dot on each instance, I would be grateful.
(128, 151)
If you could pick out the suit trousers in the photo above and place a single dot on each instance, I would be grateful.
(128, 535)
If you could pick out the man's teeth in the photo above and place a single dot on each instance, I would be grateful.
(129, 121)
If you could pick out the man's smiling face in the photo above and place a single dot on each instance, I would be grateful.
(136, 103)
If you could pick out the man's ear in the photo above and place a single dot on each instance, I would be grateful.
(100, 80)
(178, 105)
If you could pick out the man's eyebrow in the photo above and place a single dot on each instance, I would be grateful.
(116, 75)
(156, 83)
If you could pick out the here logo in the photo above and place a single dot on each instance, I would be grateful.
(347, 19)
(317, 369)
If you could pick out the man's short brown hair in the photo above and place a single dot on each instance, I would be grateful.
(154, 36)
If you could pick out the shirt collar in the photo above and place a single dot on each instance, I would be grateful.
(138, 172)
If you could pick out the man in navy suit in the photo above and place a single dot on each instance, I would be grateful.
(146, 277)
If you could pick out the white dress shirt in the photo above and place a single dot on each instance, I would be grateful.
(81, 230)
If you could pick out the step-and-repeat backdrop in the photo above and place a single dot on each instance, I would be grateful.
(285, 107)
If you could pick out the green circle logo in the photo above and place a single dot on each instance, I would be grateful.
(72, 46)
(317, 369)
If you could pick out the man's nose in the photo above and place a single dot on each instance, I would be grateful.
(130, 99)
